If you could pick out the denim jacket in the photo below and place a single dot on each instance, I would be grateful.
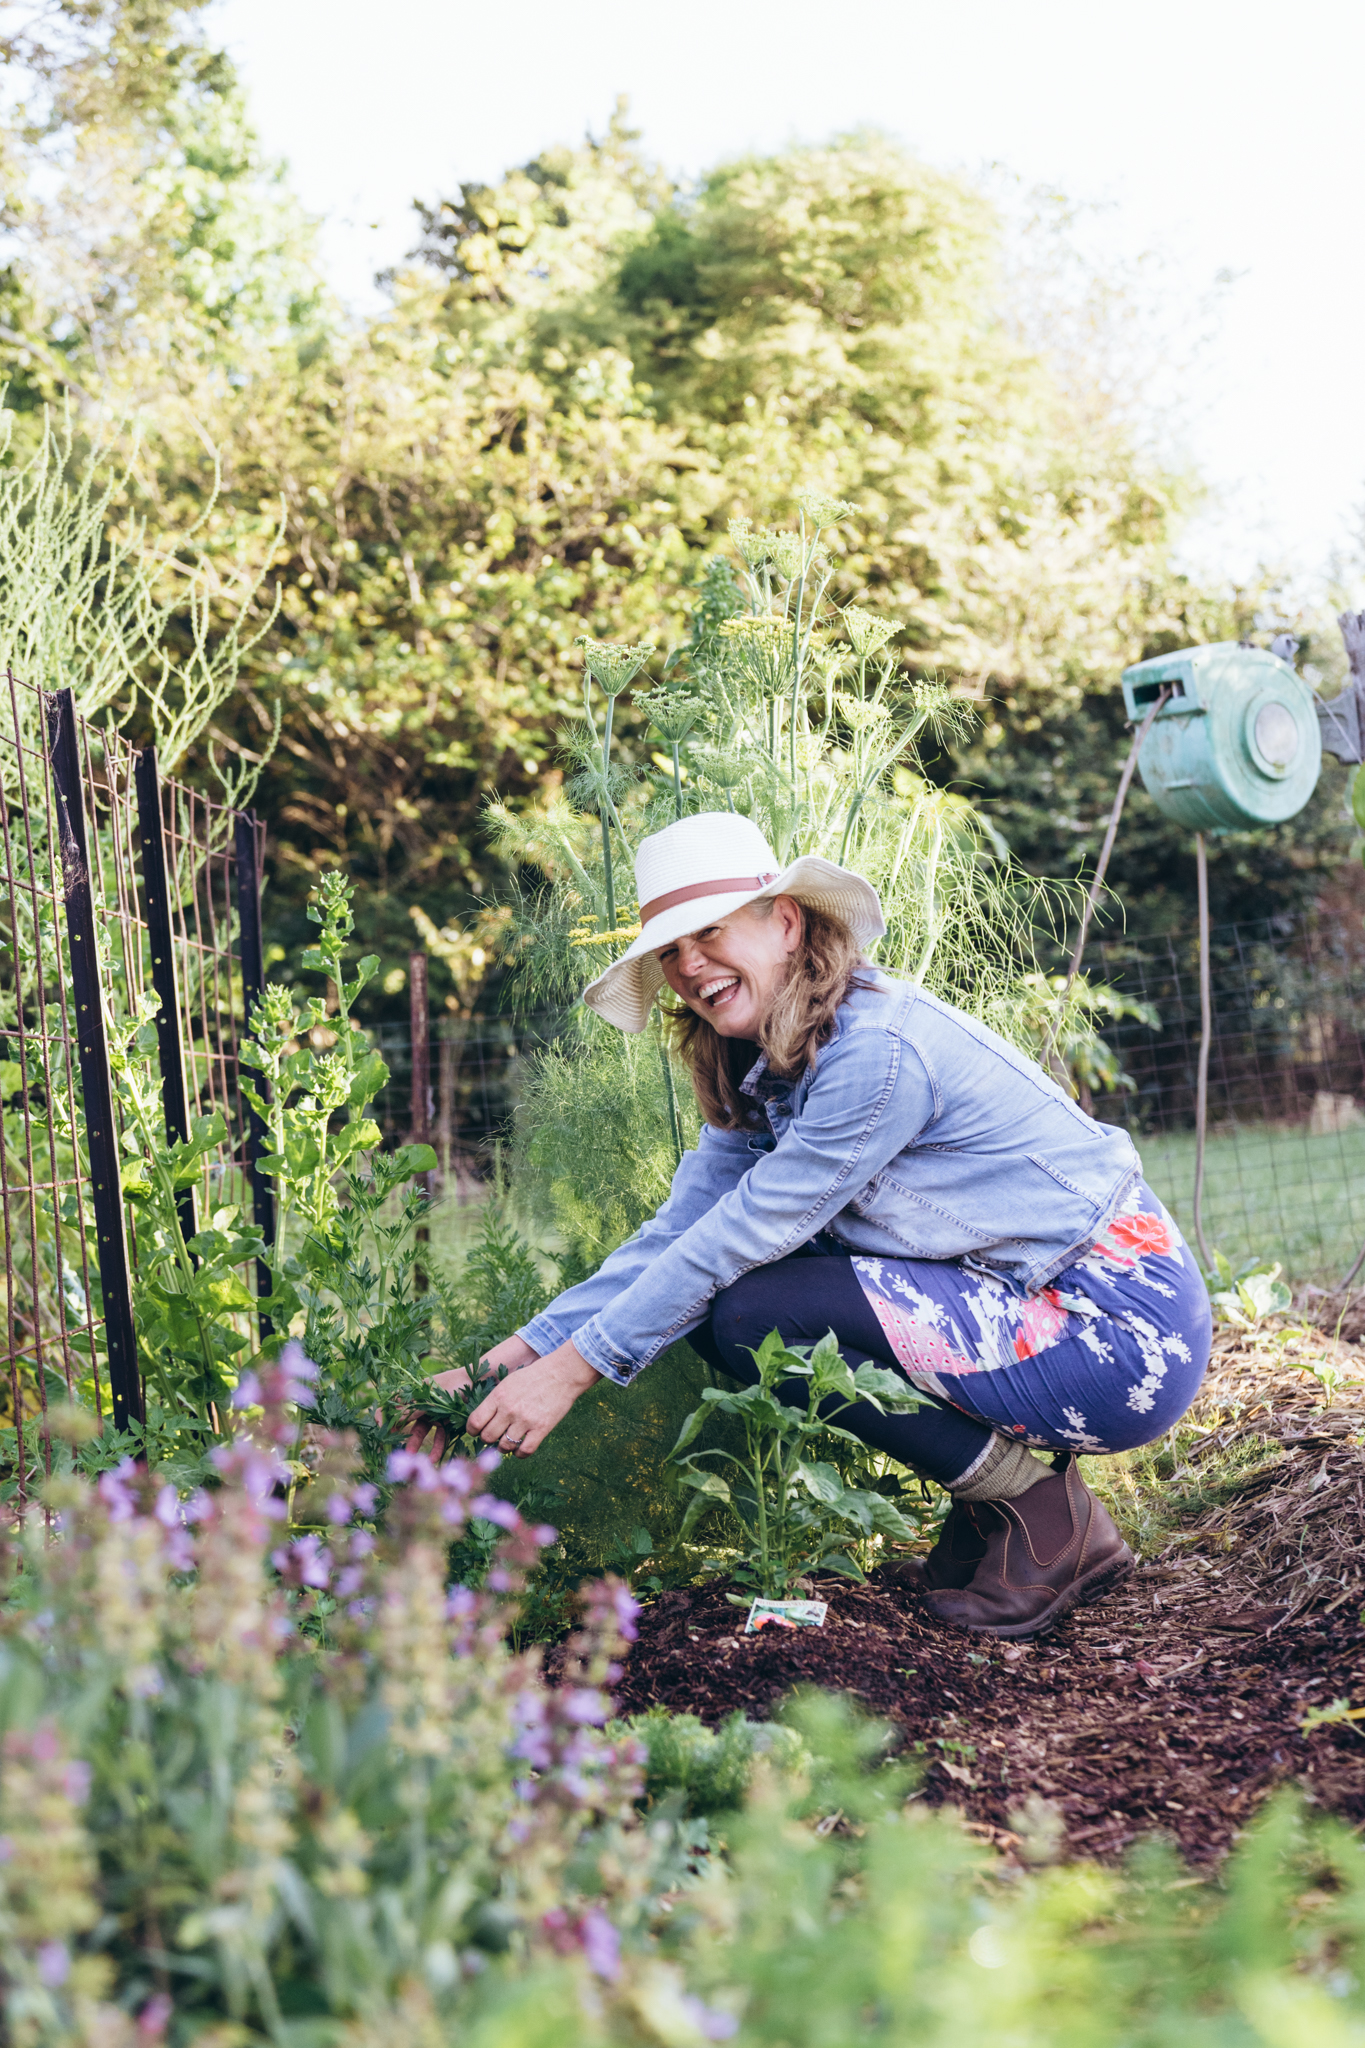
(919, 1133)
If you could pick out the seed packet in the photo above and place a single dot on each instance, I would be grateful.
(786, 1614)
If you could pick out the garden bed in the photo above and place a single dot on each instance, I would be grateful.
(1176, 1705)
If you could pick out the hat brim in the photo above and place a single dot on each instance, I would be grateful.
(623, 994)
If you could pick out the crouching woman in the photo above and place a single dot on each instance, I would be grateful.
(877, 1163)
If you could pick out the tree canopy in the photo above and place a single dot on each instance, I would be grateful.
(583, 373)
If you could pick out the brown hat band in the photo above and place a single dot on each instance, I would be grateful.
(728, 885)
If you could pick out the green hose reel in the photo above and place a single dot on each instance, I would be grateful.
(1237, 742)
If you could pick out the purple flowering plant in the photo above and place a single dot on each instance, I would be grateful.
(318, 1813)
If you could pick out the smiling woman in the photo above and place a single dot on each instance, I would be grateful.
(876, 1163)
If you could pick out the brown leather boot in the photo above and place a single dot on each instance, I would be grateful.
(1052, 1549)
(953, 1559)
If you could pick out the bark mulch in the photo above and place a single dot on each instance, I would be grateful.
(1174, 1706)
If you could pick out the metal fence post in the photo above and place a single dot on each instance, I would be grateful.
(253, 986)
(125, 1384)
(157, 905)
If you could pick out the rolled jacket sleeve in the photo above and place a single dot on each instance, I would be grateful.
(870, 1098)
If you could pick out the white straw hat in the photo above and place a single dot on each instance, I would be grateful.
(699, 871)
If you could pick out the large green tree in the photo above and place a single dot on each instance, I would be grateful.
(583, 373)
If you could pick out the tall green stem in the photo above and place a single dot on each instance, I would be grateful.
(761, 1500)
(674, 1120)
(605, 815)
(677, 781)
(796, 653)
(931, 890)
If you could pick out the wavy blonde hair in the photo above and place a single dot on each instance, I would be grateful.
(822, 971)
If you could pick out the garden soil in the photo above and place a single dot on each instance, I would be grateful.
(1173, 1707)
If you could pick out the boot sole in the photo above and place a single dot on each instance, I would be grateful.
(1095, 1584)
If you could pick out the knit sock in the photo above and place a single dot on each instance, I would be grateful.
(1005, 1469)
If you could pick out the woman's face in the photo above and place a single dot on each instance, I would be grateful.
(731, 972)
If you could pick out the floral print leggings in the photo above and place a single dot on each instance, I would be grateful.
(1108, 1357)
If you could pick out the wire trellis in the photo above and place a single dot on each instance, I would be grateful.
(113, 882)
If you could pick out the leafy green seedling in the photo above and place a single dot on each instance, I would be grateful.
(1250, 1294)
(796, 1510)
(1339, 1712)
(449, 1408)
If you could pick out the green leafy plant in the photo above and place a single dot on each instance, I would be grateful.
(292, 1791)
(345, 1256)
(190, 1302)
(709, 1770)
(796, 1511)
(1250, 1294)
(1340, 1713)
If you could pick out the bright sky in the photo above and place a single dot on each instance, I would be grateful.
(1224, 137)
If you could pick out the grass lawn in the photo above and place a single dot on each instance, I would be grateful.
(1270, 1191)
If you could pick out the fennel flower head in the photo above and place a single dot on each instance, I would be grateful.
(751, 547)
(768, 544)
(868, 634)
(673, 714)
(611, 663)
(723, 768)
(821, 509)
(758, 628)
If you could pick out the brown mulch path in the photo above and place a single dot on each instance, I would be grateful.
(1173, 1706)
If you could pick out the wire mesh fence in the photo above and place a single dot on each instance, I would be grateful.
(475, 1073)
(1285, 1161)
(113, 883)
(1285, 1171)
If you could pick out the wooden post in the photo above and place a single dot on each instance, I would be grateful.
(101, 1135)
(445, 1110)
(421, 1082)
(421, 1052)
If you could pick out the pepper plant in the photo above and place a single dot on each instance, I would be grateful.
(797, 1512)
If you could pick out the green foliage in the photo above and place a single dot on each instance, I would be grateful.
(314, 1802)
(585, 371)
(500, 1285)
(705, 1770)
(296, 1795)
(1063, 1021)
(595, 1151)
(796, 1509)
(189, 1299)
(801, 719)
(583, 375)
(344, 1258)
(88, 601)
(1254, 1291)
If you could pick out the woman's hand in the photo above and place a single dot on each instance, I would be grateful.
(522, 1409)
(513, 1352)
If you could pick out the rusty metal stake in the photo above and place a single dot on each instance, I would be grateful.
(421, 1084)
